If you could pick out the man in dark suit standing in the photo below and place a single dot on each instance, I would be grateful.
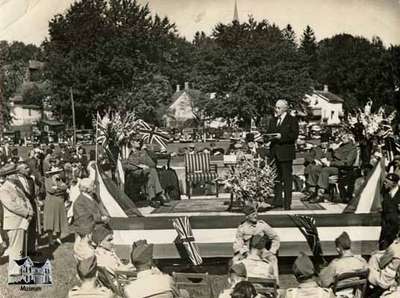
(283, 132)
(390, 209)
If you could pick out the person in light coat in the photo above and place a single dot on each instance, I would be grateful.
(18, 212)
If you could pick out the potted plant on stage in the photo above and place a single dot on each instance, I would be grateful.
(250, 184)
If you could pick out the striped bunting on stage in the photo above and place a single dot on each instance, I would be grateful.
(186, 238)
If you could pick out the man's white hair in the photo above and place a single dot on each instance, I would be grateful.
(283, 103)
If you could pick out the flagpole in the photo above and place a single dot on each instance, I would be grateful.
(97, 143)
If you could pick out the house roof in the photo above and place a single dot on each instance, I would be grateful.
(52, 122)
(20, 261)
(193, 93)
(330, 97)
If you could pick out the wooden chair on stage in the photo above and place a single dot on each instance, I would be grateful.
(198, 169)
(197, 284)
(265, 287)
(353, 282)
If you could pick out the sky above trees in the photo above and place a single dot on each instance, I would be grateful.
(27, 20)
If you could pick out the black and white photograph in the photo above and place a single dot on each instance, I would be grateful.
(200, 149)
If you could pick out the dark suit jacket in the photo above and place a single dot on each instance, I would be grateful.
(344, 156)
(284, 149)
(37, 172)
(87, 213)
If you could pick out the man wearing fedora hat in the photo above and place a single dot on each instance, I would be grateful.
(18, 212)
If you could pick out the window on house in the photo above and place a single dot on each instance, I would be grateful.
(29, 112)
(332, 114)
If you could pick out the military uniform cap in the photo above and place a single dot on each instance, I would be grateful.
(239, 269)
(100, 233)
(249, 210)
(343, 241)
(87, 266)
(303, 267)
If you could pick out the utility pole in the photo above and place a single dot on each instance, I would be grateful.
(2, 101)
(73, 117)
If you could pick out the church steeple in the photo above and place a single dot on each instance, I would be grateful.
(235, 13)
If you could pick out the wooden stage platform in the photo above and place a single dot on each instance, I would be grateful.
(214, 228)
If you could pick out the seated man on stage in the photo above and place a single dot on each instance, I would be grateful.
(343, 156)
(142, 160)
(250, 227)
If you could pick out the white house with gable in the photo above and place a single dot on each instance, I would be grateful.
(325, 106)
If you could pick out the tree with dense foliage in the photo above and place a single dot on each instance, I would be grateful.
(250, 66)
(112, 54)
(14, 60)
(308, 49)
(358, 70)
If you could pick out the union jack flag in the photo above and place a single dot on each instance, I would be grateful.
(307, 226)
(186, 238)
(152, 134)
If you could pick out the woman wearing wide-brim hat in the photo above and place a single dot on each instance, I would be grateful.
(55, 214)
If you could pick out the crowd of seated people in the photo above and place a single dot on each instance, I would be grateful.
(109, 276)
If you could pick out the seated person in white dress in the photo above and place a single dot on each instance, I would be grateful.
(255, 265)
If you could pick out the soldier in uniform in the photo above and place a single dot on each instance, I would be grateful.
(237, 273)
(256, 265)
(383, 266)
(248, 228)
(149, 282)
(87, 272)
(345, 263)
(304, 271)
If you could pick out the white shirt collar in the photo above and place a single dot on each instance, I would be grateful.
(393, 191)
